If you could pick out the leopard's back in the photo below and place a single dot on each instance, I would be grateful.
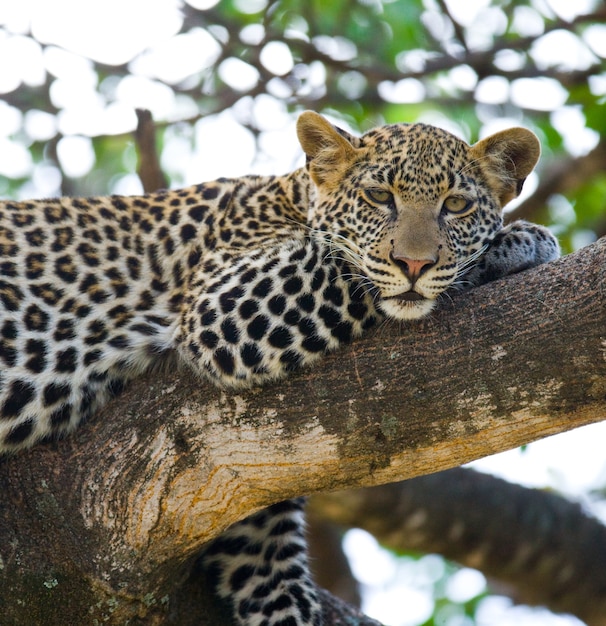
(92, 289)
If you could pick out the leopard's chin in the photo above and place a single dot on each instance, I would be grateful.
(409, 306)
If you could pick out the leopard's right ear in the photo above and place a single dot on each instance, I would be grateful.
(329, 150)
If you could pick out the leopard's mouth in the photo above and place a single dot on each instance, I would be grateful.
(409, 305)
(408, 296)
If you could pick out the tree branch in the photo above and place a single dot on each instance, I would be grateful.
(544, 548)
(133, 499)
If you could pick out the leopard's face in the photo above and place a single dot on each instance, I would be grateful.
(410, 207)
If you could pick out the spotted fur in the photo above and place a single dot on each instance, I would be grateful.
(245, 280)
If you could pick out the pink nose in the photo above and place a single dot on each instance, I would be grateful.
(412, 268)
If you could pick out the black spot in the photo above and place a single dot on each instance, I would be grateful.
(10, 295)
(21, 219)
(119, 203)
(282, 602)
(307, 302)
(284, 526)
(307, 327)
(34, 266)
(230, 330)
(144, 329)
(293, 285)
(65, 269)
(369, 322)
(312, 262)
(134, 267)
(8, 268)
(291, 359)
(37, 351)
(263, 287)
(240, 577)
(20, 393)
(169, 244)
(194, 257)
(208, 318)
(67, 360)
(93, 356)
(261, 591)
(64, 330)
(188, 232)
(227, 300)
(357, 310)
(90, 285)
(61, 415)
(267, 267)
(251, 355)
(288, 551)
(318, 280)
(287, 270)
(210, 193)
(97, 332)
(280, 337)
(333, 294)
(54, 392)
(36, 237)
(209, 339)
(277, 304)
(88, 253)
(224, 360)
(8, 353)
(342, 331)
(20, 433)
(197, 212)
(313, 343)
(302, 601)
(258, 327)
(292, 317)
(248, 308)
(298, 255)
(121, 342)
(231, 545)
(9, 330)
(146, 301)
(330, 316)
(36, 318)
(248, 276)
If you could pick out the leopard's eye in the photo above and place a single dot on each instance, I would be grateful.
(457, 205)
(379, 196)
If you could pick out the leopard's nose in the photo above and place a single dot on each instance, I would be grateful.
(412, 268)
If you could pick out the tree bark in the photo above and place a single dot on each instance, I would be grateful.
(106, 524)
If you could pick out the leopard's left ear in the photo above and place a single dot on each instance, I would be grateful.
(506, 158)
(329, 150)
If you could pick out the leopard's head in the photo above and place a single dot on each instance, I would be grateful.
(411, 206)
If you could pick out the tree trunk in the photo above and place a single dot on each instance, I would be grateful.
(105, 525)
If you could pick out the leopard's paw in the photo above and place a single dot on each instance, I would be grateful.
(517, 247)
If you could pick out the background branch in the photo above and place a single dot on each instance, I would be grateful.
(541, 547)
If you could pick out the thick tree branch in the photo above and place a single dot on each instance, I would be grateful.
(132, 499)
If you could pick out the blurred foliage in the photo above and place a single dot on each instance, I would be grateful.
(364, 62)
(467, 66)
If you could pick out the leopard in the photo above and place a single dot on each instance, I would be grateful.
(245, 280)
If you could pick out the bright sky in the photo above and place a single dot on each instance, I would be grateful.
(75, 29)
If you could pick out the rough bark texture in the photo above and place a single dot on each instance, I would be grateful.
(543, 548)
(106, 524)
